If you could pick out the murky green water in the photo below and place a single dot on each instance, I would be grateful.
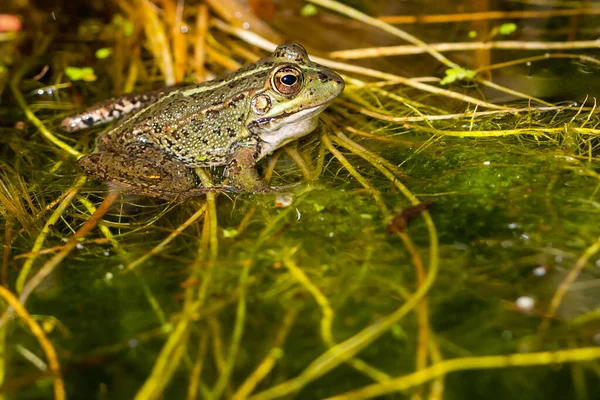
(275, 288)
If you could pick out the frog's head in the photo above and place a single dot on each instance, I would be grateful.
(295, 92)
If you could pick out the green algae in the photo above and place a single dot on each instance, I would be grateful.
(243, 285)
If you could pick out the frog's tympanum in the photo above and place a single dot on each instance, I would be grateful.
(233, 122)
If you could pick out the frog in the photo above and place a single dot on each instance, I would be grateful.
(231, 122)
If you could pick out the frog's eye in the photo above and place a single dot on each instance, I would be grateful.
(287, 80)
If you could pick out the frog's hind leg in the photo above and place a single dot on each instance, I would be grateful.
(145, 172)
(112, 109)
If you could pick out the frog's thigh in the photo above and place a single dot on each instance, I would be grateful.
(146, 172)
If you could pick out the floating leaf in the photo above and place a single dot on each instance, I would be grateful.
(124, 23)
(230, 233)
(80, 74)
(318, 207)
(457, 74)
(309, 10)
(507, 29)
(103, 53)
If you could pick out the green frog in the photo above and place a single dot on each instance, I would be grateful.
(234, 122)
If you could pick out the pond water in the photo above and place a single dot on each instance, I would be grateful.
(436, 241)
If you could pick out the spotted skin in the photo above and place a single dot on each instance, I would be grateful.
(112, 109)
(233, 122)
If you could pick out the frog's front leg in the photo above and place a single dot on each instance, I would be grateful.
(242, 173)
(112, 109)
(145, 171)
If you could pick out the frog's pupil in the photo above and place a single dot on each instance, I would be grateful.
(288, 79)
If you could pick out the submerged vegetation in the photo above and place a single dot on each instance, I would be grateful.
(441, 239)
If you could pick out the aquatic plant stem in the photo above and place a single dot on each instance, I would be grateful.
(256, 40)
(236, 336)
(196, 372)
(345, 350)
(211, 213)
(3, 358)
(266, 365)
(422, 308)
(472, 363)
(158, 311)
(49, 136)
(359, 16)
(157, 38)
(390, 51)
(174, 349)
(6, 249)
(536, 132)
(41, 238)
(295, 155)
(487, 15)
(202, 18)
(327, 317)
(167, 361)
(515, 93)
(200, 212)
(38, 332)
(564, 286)
(466, 114)
(372, 190)
(51, 264)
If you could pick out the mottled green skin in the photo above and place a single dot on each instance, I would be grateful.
(212, 124)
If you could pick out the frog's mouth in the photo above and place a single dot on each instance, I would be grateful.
(277, 131)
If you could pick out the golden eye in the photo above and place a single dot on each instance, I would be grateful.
(287, 80)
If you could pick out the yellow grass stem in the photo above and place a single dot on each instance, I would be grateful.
(41, 238)
(565, 285)
(472, 363)
(49, 136)
(196, 373)
(51, 264)
(266, 365)
(38, 332)
(200, 212)
(295, 155)
(357, 15)
(157, 39)
(256, 40)
(392, 51)
(327, 317)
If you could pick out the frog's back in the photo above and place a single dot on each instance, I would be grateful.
(197, 124)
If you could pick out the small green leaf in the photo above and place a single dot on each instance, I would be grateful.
(457, 74)
(472, 34)
(398, 332)
(507, 29)
(277, 353)
(309, 10)
(318, 207)
(120, 21)
(80, 74)
(103, 53)
(230, 233)
(127, 28)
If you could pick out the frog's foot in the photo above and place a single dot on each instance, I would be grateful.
(147, 172)
(266, 189)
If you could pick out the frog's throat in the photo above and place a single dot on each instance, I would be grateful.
(278, 131)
